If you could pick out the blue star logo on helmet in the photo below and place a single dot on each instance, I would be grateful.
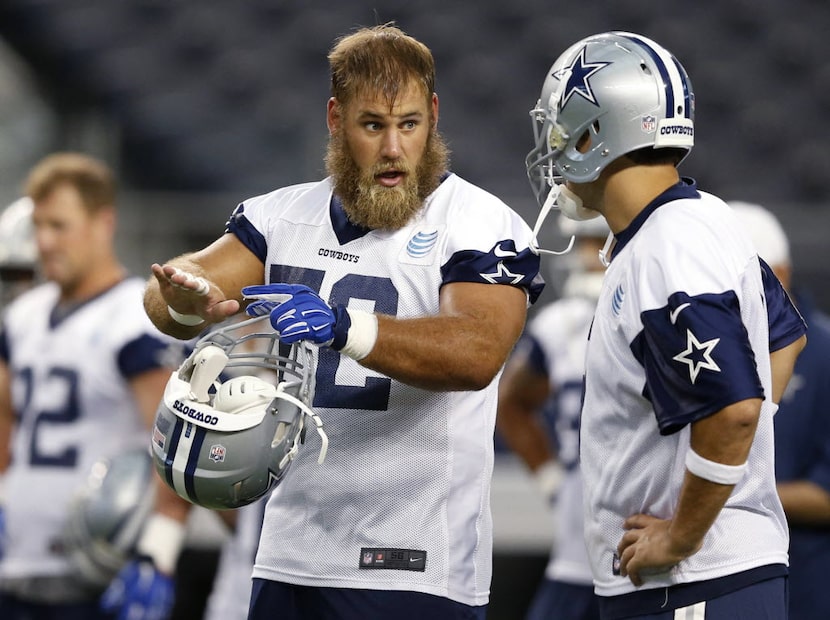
(577, 77)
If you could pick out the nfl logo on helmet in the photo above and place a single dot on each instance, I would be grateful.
(217, 453)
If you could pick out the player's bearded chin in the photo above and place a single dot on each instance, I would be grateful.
(374, 206)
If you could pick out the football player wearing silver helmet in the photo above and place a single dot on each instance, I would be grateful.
(682, 517)
(578, 126)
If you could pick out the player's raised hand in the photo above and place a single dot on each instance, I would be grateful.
(192, 299)
(298, 313)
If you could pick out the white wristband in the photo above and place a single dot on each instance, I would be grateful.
(185, 319)
(549, 477)
(161, 540)
(713, 471)
(362, 335)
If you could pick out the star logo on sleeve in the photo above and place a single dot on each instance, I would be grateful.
(502, 275)
(577, 76)
(698, 355)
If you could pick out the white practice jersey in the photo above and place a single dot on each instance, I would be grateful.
(557, 339)
(73, 404)
(680, 332)
(402, 501)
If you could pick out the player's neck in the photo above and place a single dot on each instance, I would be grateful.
(104, 276)
(630, 189)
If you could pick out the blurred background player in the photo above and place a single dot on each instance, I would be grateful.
(802, 431)
(81, 373)
(18, 273)
(540, 395)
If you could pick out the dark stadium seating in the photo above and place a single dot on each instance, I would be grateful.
(230, 95)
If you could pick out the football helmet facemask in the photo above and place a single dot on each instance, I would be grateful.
(107, 514)
(225, 444)
(621, 90)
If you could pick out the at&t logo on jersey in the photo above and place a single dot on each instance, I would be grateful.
(421, 243)
(195, 414)
(420, 247)
(617, 300)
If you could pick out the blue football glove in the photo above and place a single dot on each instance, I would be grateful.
(298, 313)
(139, 592)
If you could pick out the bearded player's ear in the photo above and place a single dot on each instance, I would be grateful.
(334, 115)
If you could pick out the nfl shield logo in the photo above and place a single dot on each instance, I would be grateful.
(217, 453)
(367, 557)
(649, 124)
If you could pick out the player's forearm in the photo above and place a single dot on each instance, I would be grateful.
(439, 353)
(782, 363)
(721, 441)
(524, 433)
(805, 503)
(700, 503)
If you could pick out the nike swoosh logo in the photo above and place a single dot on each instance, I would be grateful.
(503, 253)
(676, 312)
(415, 559)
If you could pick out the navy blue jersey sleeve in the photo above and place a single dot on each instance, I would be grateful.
(148, 353)
(697, 358)
(241, 226)
(786, 325)
(501, 265)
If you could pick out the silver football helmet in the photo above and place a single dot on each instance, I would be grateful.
(107, 514)
(18, 250)
(623, 91)
(225, 444)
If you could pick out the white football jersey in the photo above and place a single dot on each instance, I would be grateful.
(680, 332)
(73, 403)
(558, 335)
(402, 501)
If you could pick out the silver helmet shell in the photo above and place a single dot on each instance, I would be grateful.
(107, 514)
(18, 249)
(225, 444)
(625, 90)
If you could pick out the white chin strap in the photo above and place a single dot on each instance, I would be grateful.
(307, 413)
(571, 207)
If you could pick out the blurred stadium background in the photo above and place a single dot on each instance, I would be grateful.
(199, 104)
